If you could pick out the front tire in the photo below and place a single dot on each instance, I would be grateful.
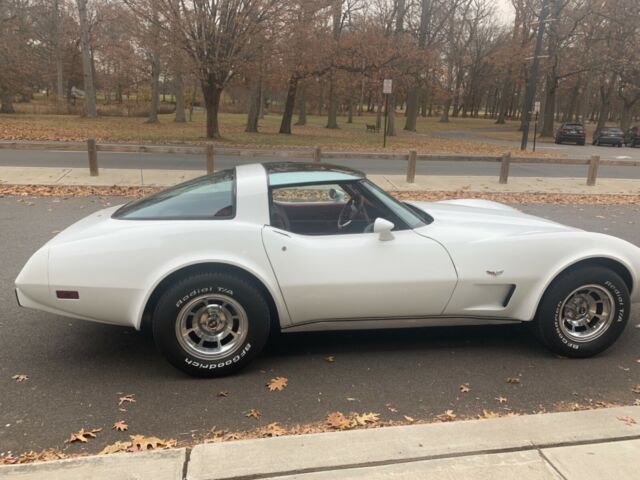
(211, 324)
(583, 312)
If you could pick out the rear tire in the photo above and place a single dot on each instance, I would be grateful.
(211, 324)
(583, 312)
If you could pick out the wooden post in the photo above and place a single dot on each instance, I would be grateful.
(93, 157)
(504, 167)
(411, 166)
(317, 154)
(592, 173)
(209, 157)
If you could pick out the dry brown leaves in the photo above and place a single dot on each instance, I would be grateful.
(31, 456)
(20, 378)
(272, 430)
(340, 421)
(465, 388)
(223, 393)
(120, 426)
(126, 399)
(514, 198)
(513, 380)
(636, 389)
(501, 399)
(447, 416)
(83, 435)
(253, 413)
(277, 384)
(332, 359)
(522, 198)
(138, 443)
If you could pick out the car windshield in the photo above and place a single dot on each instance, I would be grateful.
(611, 130)
(208, 197)
(402, 211)
(575, 126)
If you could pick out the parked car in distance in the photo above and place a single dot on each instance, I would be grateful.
(632, 137)
(571, 132)
(609, 136)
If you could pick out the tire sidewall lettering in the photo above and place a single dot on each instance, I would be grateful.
(199, 291)
(203, 364)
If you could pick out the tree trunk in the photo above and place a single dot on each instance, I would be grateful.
(155, 88)
(178, 92)
(379, 113)
(6, 102)
(332, 116)
(302, 106)
(60, 105)
(413, 104)
(254, 106)
(444, 118)
(287, 115)
(87, 62)
(606, 92)
(350, 110)
(212, 93)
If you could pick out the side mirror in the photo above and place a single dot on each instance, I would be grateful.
(383, 227)
(336, 196)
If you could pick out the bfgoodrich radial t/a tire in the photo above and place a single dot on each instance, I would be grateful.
(583, 312)
(211, 324)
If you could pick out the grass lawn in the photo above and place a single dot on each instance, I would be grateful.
(349, 137)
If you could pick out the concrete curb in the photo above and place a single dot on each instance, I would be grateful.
(569, 445)
(360, 448)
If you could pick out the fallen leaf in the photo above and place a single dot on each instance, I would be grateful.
(513, 380)
(447, 416)
(391, 408)
(140, 443)
(636, 389)
(117, 447)
(338, 421)
(20, 378)
(366, 418)
(409, 419)
(273, 430)
(83, 435)
(278, 383)
(126, 399)
(489, 414)
(120, 426)
(223, 393)
(330, 359)
(253, 413)
(628, 421)
(501, 399)
(464, 388)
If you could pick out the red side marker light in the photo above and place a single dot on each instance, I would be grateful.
(69, 294)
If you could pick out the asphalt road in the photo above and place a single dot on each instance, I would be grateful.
(38, 158)
(78, 370)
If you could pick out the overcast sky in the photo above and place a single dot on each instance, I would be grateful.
(504, 10)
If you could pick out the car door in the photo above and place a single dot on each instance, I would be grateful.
(359, 276)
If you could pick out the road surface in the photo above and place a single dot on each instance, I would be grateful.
(39, 158)
(78, 370)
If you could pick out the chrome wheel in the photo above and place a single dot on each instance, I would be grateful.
(586, 313)
(211, 326)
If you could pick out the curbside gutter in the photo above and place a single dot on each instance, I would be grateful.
(537, 446)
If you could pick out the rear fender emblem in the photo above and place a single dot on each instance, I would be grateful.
(495, 273)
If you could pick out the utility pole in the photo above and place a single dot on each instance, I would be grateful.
(531, 86)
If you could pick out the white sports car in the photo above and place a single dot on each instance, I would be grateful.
(214, 264)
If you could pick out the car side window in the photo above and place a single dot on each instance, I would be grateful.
(308, 209)
(211, 197)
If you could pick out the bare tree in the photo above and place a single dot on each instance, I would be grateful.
(87, 61)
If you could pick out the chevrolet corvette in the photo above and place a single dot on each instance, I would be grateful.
(215, 264)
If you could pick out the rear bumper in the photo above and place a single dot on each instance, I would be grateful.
(610, 140)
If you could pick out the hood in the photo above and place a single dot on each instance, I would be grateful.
(492, 217)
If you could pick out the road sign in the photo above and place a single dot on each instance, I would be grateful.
(536, 107)
(387, 86)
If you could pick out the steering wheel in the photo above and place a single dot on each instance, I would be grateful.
(350, 211)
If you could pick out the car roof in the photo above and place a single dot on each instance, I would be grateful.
(294, 173)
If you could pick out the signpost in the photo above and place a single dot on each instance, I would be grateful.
(387, 89)
(536, 111)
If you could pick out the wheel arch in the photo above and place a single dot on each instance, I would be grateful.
(614, 264)
(144, 319)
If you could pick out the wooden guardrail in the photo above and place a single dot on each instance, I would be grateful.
(315, 154)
